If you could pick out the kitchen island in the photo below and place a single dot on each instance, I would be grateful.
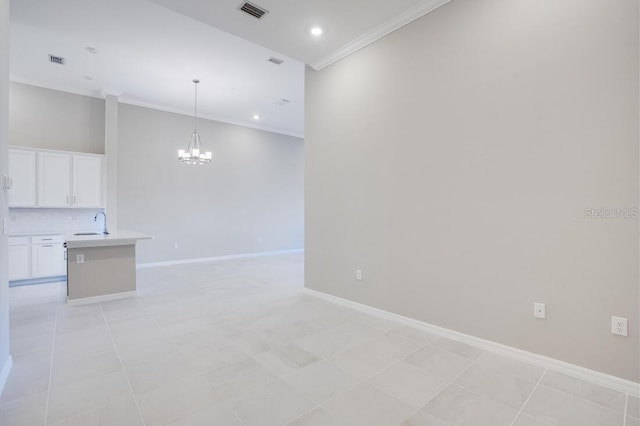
(101, 267)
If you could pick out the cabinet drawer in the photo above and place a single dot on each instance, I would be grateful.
(18, 241)
(46, 239)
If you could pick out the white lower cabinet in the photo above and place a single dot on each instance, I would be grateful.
(19, 262)
(36, 257)
(47, 260)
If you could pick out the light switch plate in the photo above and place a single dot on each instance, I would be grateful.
(6, 182)
(539, 310)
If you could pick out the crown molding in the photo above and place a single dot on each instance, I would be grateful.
(380, 31)
(99, 94)
(209, 117)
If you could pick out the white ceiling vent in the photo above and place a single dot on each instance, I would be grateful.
(56, 59)
(275, 60)
(253, 10)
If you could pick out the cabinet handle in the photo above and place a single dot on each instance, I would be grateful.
(75, 199)
(48, 245)
(67, 199)
(47, 239)
(65, 255)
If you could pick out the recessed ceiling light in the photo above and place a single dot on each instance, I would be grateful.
(316, 31)
(256, 117)
(91, 49)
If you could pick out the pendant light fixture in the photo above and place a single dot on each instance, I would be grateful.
(193, 155)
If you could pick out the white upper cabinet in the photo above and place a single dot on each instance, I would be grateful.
(54, 179)
(22, 170)
(87, 181)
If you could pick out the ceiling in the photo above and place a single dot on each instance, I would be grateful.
(347, 24)
(147, 52)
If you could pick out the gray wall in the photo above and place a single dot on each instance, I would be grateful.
(253, 189)
(4, 169)
(250, 200)
(453, 161)
(64, 121)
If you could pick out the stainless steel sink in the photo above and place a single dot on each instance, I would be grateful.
(87, 233)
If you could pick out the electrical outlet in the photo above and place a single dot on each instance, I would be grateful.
(619, 326)
(539, 310)
(176, 245)
(79, 258)
(359, 274)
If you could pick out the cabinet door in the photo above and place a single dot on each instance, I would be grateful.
(22, 170)
(87, 181)
(47, 260)
(19, 263)
(54, 172)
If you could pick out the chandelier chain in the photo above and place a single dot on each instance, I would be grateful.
(195, 107)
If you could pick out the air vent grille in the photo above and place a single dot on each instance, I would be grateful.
(275, 60)
(253, 10)
(56, 59)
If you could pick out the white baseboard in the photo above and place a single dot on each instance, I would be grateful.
(609, 381)
(216, 259)
(4, 374)
(103, 298)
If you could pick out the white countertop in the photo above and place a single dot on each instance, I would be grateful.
(118, 238)
(34, 234)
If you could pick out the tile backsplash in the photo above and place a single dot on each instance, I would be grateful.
(53, 221)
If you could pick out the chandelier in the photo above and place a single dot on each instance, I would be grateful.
(193, 155)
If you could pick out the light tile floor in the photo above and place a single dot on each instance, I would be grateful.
(238, 343)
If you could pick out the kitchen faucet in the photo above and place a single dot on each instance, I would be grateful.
(95, 219)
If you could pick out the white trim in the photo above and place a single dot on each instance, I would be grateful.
(4, 374)
(216, 259)
(103, 298)
(55, 151)
(123, 100)
(409, 15)
(609, 381)
(210, 117)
